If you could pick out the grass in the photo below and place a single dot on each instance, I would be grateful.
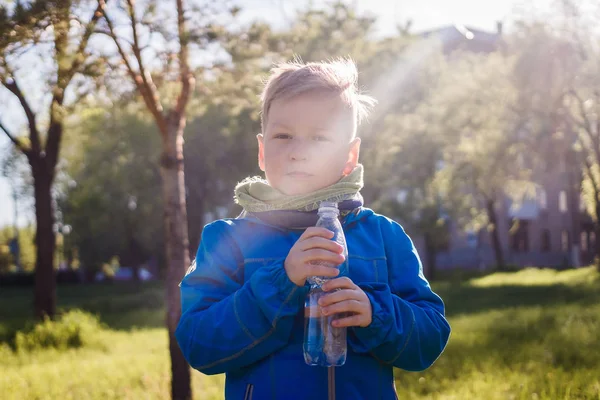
(533, 334)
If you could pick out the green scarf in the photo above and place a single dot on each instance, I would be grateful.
(256, 195)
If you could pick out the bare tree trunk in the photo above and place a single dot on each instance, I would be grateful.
(178, 258)
(491, 211)
(45, 281)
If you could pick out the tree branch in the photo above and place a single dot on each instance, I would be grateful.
(587, 126)
(89, 29)
(150, 98)
(102, 32)
(187, 79)
(65, 75)
(34, 136)
(597, 96)
(135, 47)
(590, 173)
(16, 141)
(137, 52)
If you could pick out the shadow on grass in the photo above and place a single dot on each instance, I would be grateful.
(466, 299)
(122, 306)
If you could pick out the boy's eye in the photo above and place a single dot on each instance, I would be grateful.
(282, 136)
(320, 138)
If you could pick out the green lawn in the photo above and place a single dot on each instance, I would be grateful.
(534, 334)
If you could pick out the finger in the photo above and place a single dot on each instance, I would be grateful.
(320, 243)
(339, 283)
(316, 231)
(338, 296)
(322, 270)
(352, 306)
(310, 256)
(353, 320)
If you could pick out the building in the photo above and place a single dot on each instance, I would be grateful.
(549, 229)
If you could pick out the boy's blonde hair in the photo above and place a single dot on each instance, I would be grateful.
(338, 77)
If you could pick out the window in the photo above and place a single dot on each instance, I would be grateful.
(564, 241)
(584, 241)
(546, 245)
(562, 202)
(520, 236)
(542, 199)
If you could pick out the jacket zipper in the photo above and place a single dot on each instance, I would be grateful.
(249, 390)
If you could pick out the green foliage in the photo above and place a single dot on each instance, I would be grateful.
(485, 153)
(72, 329)
(26, 244)
(336, 31)
(112, 192)
(22, 22)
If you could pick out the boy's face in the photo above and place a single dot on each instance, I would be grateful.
(307, 143)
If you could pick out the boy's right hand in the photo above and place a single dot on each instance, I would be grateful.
(315, 244)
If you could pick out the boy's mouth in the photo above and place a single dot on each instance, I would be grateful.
(298, 174)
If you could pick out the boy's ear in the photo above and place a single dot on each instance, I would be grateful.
(352, 156)
(261, 151)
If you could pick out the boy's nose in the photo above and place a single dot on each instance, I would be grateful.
(297, 157)
(298, 153)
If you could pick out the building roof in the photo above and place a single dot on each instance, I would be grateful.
(459, 36)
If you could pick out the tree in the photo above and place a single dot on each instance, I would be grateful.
(220, 145)
(168, 109)
(582, 107)
(579, 119)
(485, 137)
(111, 196)
(412, 159)
(35, 26)
(556, 71)
(338, 30)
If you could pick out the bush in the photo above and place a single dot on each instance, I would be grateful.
(72, 329)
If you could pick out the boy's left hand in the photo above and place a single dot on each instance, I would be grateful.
(349, 299)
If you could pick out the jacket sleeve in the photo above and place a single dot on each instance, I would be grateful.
(408, 329)
(226, 323)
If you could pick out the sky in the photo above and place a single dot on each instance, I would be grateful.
(425, 14)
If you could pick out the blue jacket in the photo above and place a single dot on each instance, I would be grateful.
(243, 316)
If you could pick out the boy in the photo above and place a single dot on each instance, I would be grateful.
(243, 298)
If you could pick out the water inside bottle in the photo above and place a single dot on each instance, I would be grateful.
(324, 344)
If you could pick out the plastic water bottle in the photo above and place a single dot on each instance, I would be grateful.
(325, 345)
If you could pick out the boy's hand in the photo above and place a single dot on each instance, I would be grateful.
(349, 299)
(315, 244)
